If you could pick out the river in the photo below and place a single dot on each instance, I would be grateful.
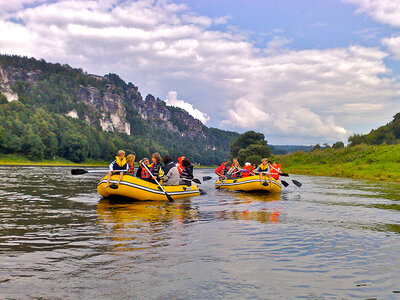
(333, 238)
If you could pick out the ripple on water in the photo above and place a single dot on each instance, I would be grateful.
(333, 238)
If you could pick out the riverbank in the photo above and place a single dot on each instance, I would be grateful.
(9, 159)
(359, 162)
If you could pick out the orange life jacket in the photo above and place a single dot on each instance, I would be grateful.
(246, 171)
(275, 170)
(179, 165)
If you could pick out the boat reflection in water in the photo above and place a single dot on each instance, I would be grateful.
(143, 224)
(254, 207)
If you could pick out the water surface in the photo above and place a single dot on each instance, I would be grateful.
(331, 239)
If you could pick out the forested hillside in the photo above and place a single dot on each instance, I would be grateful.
(388, 134)
(49, 110)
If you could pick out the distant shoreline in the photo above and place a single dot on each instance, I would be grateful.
(15, 160)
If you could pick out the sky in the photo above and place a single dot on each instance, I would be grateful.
(299, 71)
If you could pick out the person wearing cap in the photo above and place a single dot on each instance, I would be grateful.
(247, 169)
(222, 169)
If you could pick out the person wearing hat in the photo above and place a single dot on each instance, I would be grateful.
(222, 169)
(247, 169)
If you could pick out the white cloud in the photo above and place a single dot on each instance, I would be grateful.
(304, 96)
(383, 11)
(172, 99)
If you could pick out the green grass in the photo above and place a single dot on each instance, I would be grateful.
(360, 162)
(12, 159)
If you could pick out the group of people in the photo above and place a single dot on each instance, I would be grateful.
(167, 174)
(272, 169)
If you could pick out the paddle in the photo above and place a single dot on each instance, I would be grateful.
(297, 183)
(202, 192)
(217, 187)
(166, 194)
(206, 178)
(82, 171)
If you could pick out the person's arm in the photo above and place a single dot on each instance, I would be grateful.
(111, 166)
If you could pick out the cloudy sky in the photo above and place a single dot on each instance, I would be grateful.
(300, 71)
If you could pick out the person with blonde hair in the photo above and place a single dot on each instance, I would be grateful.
(119, 165)
(264, 168)
(131, 162)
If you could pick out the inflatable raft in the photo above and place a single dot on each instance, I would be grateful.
(138, 189)
(250, 184)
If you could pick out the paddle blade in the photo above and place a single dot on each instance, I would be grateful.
(196, 180)
(169, 197)
(205, 178)
(284, 174)
(284, 183)
(202, 192)
(299, 184)
(78, 171)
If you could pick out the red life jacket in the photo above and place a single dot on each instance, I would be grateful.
(179, 165)
(144, 173)
(275, 170)
(131, 169)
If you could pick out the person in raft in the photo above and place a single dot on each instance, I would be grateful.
(275, 170)
(119, 165)
(247, 170)
(179, 164)
(171, 173)
(131, 162)
(264, 168)
(156, 170)
(234, 171)
(222, 169)
(187, 172)
(141, 172)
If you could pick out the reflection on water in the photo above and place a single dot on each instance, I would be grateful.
(151, 217)
(333, 238)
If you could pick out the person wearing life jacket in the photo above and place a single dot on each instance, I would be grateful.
(247, 170)
(131, 162)
(171, 173)
(234, 171)
(264, 168)
(187, 172)
(156, 169)
(275, 169)
(119, 165)
(141, 172)
(222, 169)
(179, 164)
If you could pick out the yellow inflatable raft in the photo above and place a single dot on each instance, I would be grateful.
(249, 184)
(138, 189)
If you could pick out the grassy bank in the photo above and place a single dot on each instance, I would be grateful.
(359, 162)
(9, 159)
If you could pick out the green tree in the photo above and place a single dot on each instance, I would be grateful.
(246, 139)
(3, 99)
(338, 145)
(253, 150)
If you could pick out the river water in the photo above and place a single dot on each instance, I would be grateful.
(332, 238)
